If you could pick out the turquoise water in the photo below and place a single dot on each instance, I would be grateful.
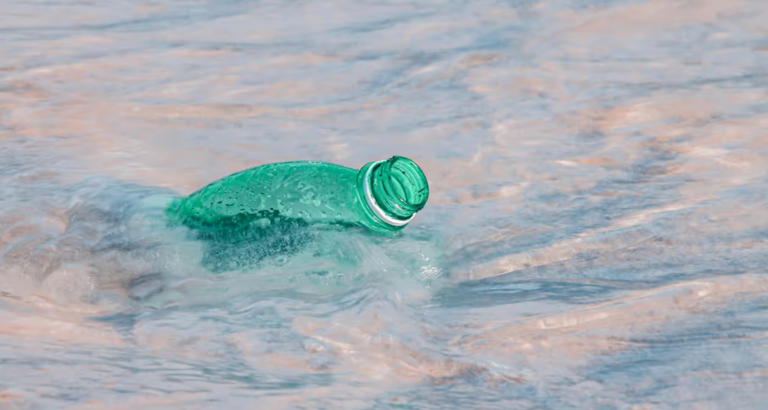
(596, 235)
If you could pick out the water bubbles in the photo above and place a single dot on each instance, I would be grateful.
(430, 272)
(261, 223)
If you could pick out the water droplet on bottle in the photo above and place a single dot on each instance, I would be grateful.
(281, 260)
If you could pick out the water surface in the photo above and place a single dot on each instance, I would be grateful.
(596, 235)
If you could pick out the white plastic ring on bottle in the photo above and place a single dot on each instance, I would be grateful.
(374, 206)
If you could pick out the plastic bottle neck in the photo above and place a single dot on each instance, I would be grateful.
(394, 190)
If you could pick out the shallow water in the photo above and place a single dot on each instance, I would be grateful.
(596, 235)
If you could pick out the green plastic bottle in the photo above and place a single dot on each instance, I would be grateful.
(382, 196)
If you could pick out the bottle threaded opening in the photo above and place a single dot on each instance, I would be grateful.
(398, 187)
